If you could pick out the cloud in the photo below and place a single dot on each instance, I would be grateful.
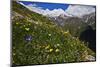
(40, 10)
(32, 5)
(72, 10)
(80, 10)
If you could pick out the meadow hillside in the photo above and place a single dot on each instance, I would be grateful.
(38, 40)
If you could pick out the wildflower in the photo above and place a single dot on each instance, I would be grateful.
(66, 56)
(58, 44)
(27, 29)
(57, 50)
(14, 54)
(49, 34)
(36, 23)
(51, 50)
(66, 32)
(24, 25)
(47, 47)
(17, 23)
(28, 38)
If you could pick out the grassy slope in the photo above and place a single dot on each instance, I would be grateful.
(49, 44)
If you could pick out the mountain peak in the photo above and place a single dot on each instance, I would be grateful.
(72, 10)
(46, 12)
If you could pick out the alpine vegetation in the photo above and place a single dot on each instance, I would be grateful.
(50, 33)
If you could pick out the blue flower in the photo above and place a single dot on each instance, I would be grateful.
(28, 37)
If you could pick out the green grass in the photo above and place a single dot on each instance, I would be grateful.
(49, 43)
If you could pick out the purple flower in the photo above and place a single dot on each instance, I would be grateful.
(28, 37)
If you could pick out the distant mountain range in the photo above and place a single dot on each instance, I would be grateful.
(39, 39)
(88, 19)
(71, 11)
(75, 16)
(67, 21)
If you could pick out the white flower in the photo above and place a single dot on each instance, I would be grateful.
(49, 34)
(58, 44)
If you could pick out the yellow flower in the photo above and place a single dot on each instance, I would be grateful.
(66, 32)
(57, 50)
(17, 23)
(47, 47)
(14, 54)
(51, 50)
(49, 34)
(27, 29)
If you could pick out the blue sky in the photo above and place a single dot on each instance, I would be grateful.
(50, 6)
(56, 9)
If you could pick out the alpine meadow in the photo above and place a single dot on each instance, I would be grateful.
(52, 33)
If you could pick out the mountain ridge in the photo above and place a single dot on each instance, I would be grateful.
(57, 12)
(38, 40)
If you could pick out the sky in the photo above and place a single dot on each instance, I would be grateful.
(56, 9)
(50, 6)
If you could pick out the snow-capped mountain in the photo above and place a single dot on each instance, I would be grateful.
(46, 12)
(74, 13)
(71, 11)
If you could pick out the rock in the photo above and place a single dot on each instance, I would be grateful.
(90, 58)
